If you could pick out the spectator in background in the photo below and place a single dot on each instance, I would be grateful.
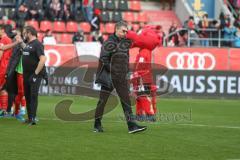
(87, 7)
(237, 21)
(49, 39)
(35, 9)
(215, 32)
(69, 10)
(236, 42)
(204, 25)
(191, 29)
(238, 3)
(46, 4)
(229, 34)
(169, 2)
(20, 16)
(54, 12)
(95, 22)
(97, 37)
(224, 20)
(173, 39)
(18, 4)
(191, 23)
(7, 23)
(161, 34)
(78, 37)
(79, 17)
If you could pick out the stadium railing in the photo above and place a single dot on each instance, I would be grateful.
(193, 36)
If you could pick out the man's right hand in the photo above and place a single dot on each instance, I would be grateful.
(18, 39)
(33, 78)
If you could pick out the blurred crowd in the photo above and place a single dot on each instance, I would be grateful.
(206, 32)
(63, 10)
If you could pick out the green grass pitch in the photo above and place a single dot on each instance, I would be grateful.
(187, 129)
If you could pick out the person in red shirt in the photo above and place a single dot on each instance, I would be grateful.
(142, 79)
(5, 54)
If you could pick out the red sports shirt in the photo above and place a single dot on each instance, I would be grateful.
(6, 55)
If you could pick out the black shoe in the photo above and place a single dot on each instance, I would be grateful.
(31, 122)
(98, 125)
(136, 128)
(98, 129)
(3, 113)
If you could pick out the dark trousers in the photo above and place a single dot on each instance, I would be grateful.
(122, 89)
(11, 99)
(31, 94)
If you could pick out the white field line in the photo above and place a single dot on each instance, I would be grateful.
(157, 123)
(204, 125)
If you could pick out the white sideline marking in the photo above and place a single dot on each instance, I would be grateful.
(203, 125)
(185, 124)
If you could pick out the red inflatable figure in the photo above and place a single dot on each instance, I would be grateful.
(142, 78)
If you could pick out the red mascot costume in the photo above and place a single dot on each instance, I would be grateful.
(142, 78)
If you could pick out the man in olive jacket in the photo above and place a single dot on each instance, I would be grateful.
(112, 73)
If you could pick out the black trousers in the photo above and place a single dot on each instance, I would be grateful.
(31, 94)
(122, 89)
(11, 99)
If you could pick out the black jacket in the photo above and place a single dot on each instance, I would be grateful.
(14, 60)
(11, 74)
(114, 61)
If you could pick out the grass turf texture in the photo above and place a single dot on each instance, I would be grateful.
(213, 133)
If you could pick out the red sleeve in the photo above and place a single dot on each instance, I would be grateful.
(6, 40)
(133, 37)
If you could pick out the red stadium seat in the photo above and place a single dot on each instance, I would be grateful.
(102, 28)
(58, 37)
(66, 38)
(128, 16)
(85, 27)
(135, 5)
(142, 17)
(45, 25)
(33, 23)
(110, 28)
(72, 26)
(59, 26)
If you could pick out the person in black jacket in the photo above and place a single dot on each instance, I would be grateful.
(33, 62)
(112, 73)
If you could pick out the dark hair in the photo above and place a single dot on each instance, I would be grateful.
(120, 24)
(8, 30)
(205, 15)
(31, 29)
(191, 17)
(3, 27)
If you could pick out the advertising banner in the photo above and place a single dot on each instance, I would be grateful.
(200, 84)
(176, 83)
(192, 58)
(59, 54)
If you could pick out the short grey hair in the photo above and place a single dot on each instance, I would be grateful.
(121, 24)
